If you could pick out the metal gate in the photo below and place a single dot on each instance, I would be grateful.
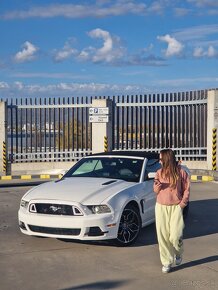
(48, 129)
(156, 121)
(52, 129)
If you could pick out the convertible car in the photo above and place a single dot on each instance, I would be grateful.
(105, 196)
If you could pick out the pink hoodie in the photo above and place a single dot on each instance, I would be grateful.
(167, 195)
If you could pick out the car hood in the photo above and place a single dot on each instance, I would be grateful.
(78, 189)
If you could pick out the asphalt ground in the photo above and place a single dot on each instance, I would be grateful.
(44, 263)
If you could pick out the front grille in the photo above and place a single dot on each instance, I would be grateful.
(54, 231)
(52, 209)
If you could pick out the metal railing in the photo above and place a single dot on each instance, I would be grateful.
(41, 126)
(181, 153)
(153, 122)
(51, 127)
(49, 156)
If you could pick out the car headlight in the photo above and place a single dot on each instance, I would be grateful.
(96, 209)
(24, 203)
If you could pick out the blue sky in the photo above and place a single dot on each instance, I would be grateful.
(107, 47)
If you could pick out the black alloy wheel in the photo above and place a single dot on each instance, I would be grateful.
(129, 227)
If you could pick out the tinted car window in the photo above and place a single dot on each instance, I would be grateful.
(152, 166)
(88, 166)
(128, 169)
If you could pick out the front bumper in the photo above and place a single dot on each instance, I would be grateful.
(87, 227)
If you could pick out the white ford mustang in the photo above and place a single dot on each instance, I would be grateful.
(103, 196)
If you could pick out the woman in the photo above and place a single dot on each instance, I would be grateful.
(172, 186)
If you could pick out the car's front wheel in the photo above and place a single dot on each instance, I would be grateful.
(129, 227)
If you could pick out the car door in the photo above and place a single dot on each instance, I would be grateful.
(149, 198)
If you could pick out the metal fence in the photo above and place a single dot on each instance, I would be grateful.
(176, 120)
(52, 129)
(48, 129)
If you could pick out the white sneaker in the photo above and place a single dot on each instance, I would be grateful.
(166, 269)
(178, 260)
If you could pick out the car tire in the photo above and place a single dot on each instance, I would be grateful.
(129, 226)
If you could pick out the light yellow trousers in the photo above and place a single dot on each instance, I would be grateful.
(169, 226)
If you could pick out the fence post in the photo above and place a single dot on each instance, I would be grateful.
(214, 149)
(101, 125)
(212, 124)
(3, 139)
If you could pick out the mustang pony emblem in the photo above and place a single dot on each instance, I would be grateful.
(54, 208)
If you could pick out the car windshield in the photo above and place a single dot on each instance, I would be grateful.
(128, 169)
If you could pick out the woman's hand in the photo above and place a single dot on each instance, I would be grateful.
(157, 185)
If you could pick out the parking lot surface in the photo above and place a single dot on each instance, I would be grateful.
(43, 263)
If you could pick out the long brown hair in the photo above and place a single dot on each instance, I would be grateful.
(169, 166)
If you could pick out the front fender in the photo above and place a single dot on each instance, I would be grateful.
(120, 200)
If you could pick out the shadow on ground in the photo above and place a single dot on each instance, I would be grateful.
(99, 285)
(196, 263)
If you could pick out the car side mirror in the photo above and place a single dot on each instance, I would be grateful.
(151, 175)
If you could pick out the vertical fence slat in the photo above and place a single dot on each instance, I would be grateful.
(11, 130)
(122, 123)
(44, 126)
(140, 123)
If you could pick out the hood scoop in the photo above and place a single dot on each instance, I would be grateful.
(109, 182)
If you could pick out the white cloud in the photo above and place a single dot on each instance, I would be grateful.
(103, 53)
(199, 52)
(174, 46)
(27, 53)
(66, 52)
(19, 85)
(204, 3)
(111, 50)
(211, 51)
(99, 9)
(201, 82)
(201, 39)
(157, 7)
(45, 75)
(105, 8)
(4, 85)
(85, 54)
(196, 32)
(65, 89)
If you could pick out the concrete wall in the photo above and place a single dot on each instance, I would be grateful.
(196, 164)
(61, 167)
(41, 167)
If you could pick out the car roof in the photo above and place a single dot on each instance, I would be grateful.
(129, 153)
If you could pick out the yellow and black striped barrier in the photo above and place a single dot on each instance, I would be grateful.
(31, 176)
(105, 144)
(202, 178)
(214, 141)
(4, 158)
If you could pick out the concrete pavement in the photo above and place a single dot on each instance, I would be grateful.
(43, 263)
